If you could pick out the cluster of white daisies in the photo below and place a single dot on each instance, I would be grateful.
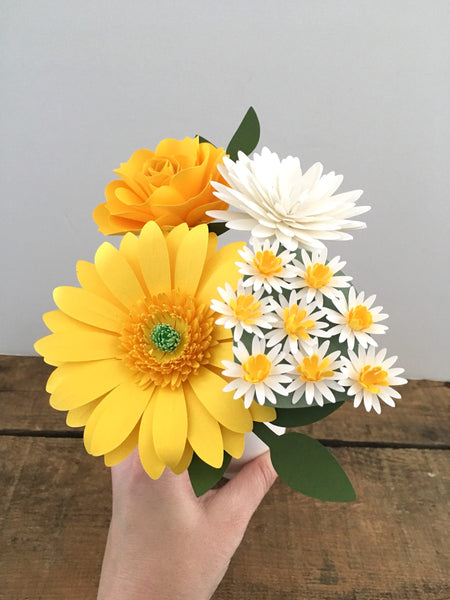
(280, 303)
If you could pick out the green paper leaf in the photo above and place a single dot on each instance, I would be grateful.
(203, 140)
(292, 417)
(246, 137)
(306, 466)
(203, 477)
(217, 227)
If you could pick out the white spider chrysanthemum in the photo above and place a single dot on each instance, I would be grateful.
(316, 278)
(316, 375)
(243, 311)
(356, 319)
(275, 200)
(297, 323)
(257, 374)
(369, 376)
(266, 268)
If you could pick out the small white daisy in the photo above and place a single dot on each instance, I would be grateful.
(257, 374)
(243, 311)
(316, 374)
(316, 278)
(369, 377)
(356, 319)
(266, 267)
(297, 323)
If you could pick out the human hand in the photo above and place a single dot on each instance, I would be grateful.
(164, 543)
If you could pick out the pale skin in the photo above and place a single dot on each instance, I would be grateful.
(164, 543)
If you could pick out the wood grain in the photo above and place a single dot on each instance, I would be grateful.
(421, 417)
(391, 544)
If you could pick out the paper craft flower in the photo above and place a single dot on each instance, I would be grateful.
(138, 352)
(266, 267)
(316, 375)
(243, 310)
(169, 186)
(276, 200)
(317, 277)
(356, 319)
(369, 377)
(257, 375)
(297, 323)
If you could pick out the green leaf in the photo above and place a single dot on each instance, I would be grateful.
(306, 466)
(295, 417)
(217, 227)
(203, 140)
(246, 137)
(203, 477)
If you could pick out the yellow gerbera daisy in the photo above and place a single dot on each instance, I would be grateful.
(138, 354)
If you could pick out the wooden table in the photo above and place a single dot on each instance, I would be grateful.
(391, 544)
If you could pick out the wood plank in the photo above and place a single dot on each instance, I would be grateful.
(420, 418)
(390, 544)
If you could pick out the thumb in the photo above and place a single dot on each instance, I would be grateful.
(246, 490)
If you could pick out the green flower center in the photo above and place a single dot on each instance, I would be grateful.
(165, 337)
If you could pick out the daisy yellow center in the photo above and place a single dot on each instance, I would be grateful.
(313, 369)
(318, 275)
(359, 318)
(246, 309)
(257, 368)
(373, 379)
(267, 263)
(295, 323)
(167, 338)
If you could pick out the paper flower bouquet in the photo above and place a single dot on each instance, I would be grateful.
(181, 349)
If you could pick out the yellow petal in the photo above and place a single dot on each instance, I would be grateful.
(89, 308)
(208, 387)
(262, 414)
(169, 425)
(79, 383)
(125, 449)
(115, 418)
(212, 246)
(154, 259)
(171, 147)
(203, 430)
(173, 241)
(185, 460)
(233, 442)
(78, 417)
(152, 464)
(129, 249)
(117, 275)
(59, 322)
(90, 280)
(191, 259)
(221, 351)
(219, 270)
(77, 346)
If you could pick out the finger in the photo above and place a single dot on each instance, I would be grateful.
(243, 494)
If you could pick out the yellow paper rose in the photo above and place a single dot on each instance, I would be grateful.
(169, 186)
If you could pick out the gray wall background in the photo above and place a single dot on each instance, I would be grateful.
(359, 85)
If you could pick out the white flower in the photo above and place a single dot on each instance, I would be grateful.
(275, 200)
(369, 377)
(356, 319)
(316, 277)
(316, 375)
(265, 267)
(257, 374)
(243, 311)
(297, 323)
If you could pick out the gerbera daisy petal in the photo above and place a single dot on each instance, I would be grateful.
(191, 259)
(151, 462)
(154, 259)
(124, 450)
(169, 424)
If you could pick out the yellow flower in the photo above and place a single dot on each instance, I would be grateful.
(170, 186)
(139, 356)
